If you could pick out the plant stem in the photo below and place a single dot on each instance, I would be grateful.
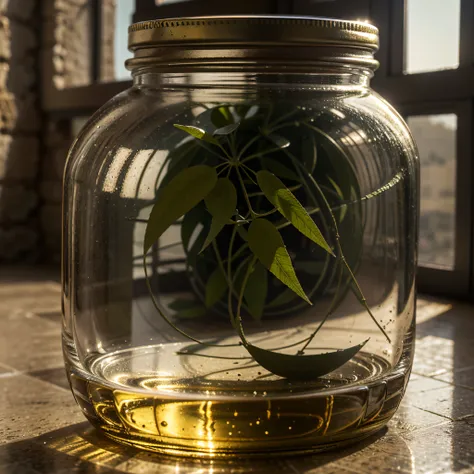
(241, 297)
(229, 275)
(248, 145)
(223, 169)
(242, 184)
(260, 154)
(163, 315)
(361, 298)
(248, 175)
(212, 152)
(331, 309)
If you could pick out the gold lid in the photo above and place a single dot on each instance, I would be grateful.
(252, 30)
(248, 42)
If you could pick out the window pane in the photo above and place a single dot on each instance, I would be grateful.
(435, 136)
(432, 35)
(116, 18)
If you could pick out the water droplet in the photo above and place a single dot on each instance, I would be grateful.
(236, 413)
(164, 423)
(230, 433)
(257, 422)
(266, 432)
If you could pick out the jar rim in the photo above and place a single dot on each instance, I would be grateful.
(252, 29)
(309, 38)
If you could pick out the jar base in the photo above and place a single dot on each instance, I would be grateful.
(214, 422)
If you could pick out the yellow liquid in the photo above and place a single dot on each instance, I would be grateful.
(218, 416)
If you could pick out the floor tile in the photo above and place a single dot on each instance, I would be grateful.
(55, 376)
(30, 407)
(443, 449)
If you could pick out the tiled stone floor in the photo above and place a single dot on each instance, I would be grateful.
(43, 431)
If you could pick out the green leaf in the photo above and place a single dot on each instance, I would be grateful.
(221, 203)
(190, 221)
(242, 231)
(266, 243)
(179, 196)
(341, 196)
(255, 292)
(278, 140)
(286, 296)
(179, 159)
(227, 130)
(287, 204)
(198, 133)
(309, 153)
(279, 169)
(215, 287)
(302, 367)
(221, 116)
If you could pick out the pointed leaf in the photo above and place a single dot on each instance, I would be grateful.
(221, 203)
(227, 130)
(266, 243)
(255, 292)
(278, 140)
(179, 196)
(242, 231)
(221, 116)
(215, 287)
(179, 159)
(196, 247)
(198, 133)
(188, 226)
(287, 204)
(302, 367)
(279, 169)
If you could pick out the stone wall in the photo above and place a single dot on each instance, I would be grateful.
(52, 38)
(19, 130)
(67, 50)
(57, 139)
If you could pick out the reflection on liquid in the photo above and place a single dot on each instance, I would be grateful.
(171, 417)
(88, 446)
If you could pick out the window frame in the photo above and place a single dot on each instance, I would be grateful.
(445, 91)
(436, 92)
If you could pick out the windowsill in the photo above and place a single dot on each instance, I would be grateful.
(42, 429)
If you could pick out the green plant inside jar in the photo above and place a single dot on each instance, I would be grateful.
(264, 184)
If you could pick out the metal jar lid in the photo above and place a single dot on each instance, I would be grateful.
(306, 37)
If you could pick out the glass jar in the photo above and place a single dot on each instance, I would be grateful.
(240, 241)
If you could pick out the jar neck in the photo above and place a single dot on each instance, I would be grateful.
(323, 79)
